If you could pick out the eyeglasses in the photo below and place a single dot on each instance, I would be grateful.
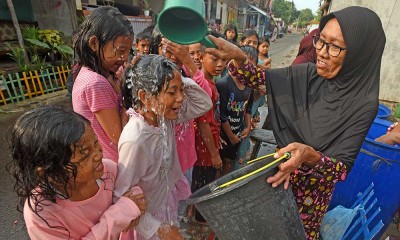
(332, 49)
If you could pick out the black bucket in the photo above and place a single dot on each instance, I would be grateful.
(250, 208)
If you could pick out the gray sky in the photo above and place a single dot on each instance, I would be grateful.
(303, 4)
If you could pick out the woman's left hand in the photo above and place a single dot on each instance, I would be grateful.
(226, 50)
(300, 153)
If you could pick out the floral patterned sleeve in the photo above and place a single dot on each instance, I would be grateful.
(327, 168)
(313, 188)
(248, 74)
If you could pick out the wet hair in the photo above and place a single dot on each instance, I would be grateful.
(230, 27)
(143, 36)
(44, 138)
(150, 73)
(156, 40)
(248, 33)
(250, 51)
(264, 39)
(106, 23)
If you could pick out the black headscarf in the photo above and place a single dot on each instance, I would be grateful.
(331, 115)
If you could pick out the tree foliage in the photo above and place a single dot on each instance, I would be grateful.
(307, 15)
(287, 11)
(283, 9)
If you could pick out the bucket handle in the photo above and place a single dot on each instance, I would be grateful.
(378, 162)
(287, 155)
(260, 158)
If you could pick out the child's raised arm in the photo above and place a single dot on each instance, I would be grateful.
(197, 101)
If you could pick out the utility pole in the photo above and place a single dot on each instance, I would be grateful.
(17, 28)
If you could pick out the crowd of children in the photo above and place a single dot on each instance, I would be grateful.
(136, 145)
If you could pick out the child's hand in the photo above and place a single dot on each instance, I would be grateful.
(138, 199)
(135, 59)
(245, 132)
(167, 232)
(234, 139)
(181, 52)
(216, 161)
(253, 125)
(221, 143)
(133, 224)
(267, 63)
(256, 119)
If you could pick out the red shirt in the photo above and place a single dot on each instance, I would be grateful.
(211, 117)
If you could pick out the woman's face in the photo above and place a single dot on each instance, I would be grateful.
(230, 34)
(328, 66)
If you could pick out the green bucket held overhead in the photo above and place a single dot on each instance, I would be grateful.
(182, 21)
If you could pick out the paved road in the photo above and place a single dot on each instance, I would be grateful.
(282, 51)
(11, 222)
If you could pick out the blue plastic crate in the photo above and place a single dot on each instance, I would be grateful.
(376, 163)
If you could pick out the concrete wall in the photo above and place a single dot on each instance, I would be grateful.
(54, 15)
(389, 12)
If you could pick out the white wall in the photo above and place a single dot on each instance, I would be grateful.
(389, 12)
(224, 18)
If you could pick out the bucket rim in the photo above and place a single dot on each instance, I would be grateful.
(212, 194)
(171, 38)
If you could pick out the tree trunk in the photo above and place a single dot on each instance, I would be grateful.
(17, 28)
(72, 12)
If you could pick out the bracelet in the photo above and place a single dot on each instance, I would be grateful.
(392, 126)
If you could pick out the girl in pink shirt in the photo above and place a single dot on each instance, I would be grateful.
(102, 47)
(64, 185)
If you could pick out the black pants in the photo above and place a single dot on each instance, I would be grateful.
(201, 176)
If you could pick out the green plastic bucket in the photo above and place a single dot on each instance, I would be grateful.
(182, 21)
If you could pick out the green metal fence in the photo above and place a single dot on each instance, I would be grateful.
(20, 86)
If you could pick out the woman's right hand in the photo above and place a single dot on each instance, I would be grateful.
(226, 50)
(300, 153)
(167, 232)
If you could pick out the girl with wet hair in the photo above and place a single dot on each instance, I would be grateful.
(63, 183)
(158, 98)
(102, 47)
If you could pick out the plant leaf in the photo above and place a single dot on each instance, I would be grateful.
(65, 49)
(37, 43)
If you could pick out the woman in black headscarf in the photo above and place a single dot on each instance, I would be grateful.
(320, 112)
